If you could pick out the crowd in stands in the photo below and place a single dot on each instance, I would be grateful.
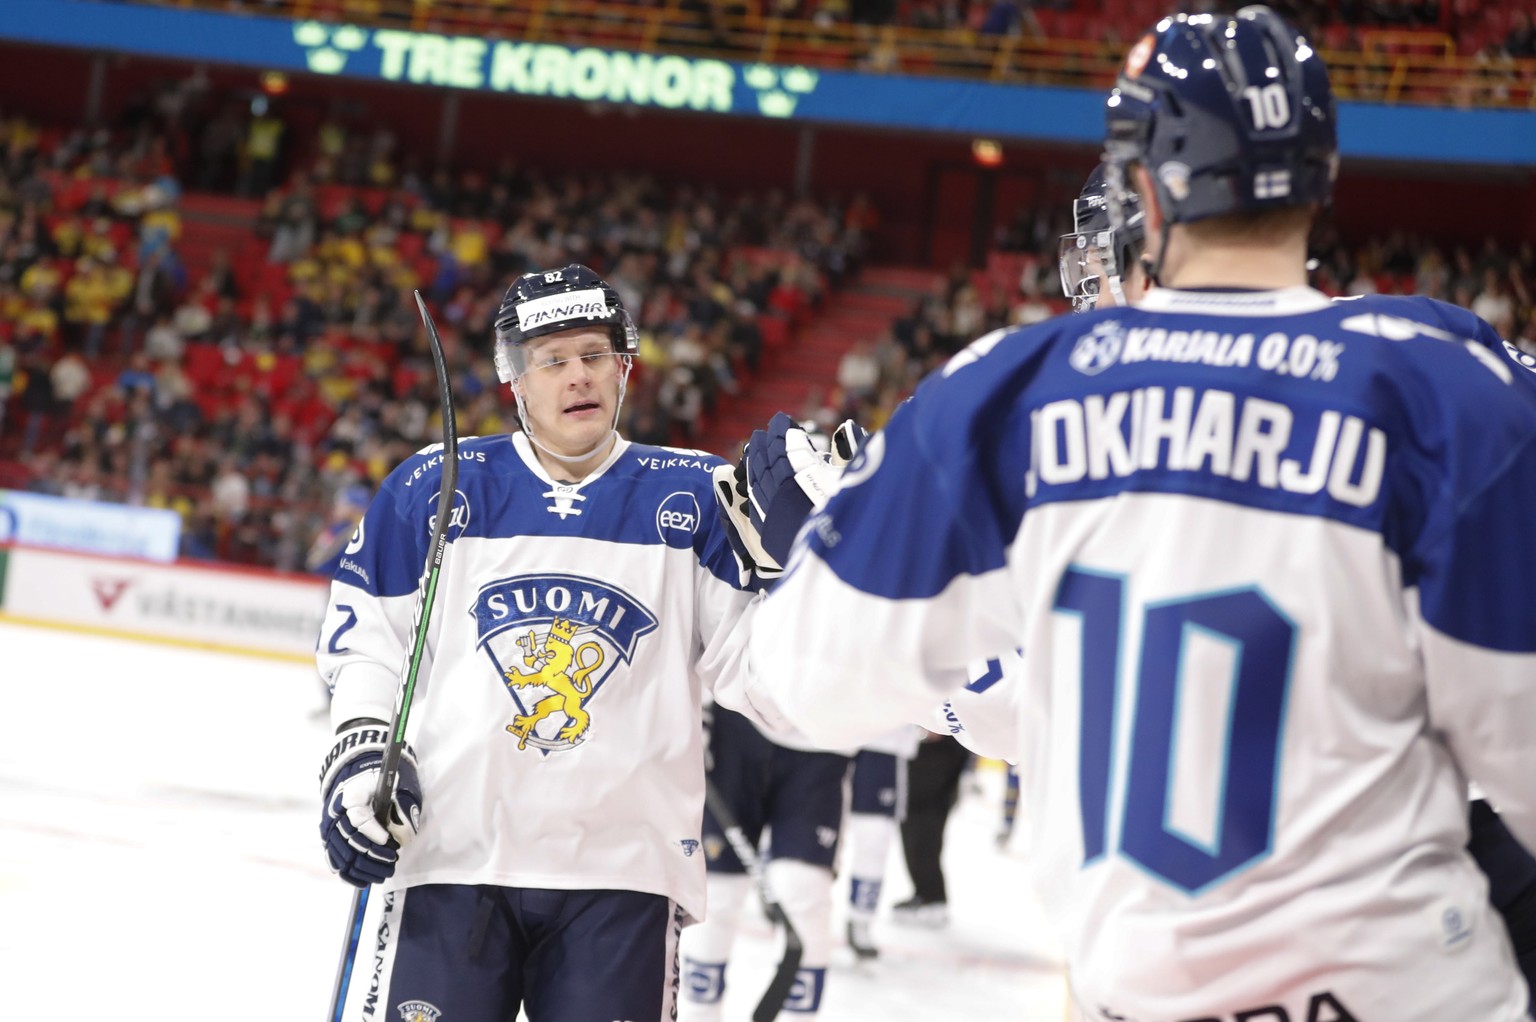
(962, 36)
(1020, 285)
(252, 390)
(255, 390)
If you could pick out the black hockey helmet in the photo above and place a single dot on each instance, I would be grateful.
(1094, 246)
(538, 304)
(1228, 113)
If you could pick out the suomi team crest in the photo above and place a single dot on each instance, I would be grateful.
(554, 639)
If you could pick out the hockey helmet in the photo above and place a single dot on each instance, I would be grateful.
(1095, 247)
(539, 304)
(1228, 113)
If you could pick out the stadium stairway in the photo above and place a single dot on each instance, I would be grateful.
(213, 222)
(806, 370)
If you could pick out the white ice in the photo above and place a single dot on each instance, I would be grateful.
(159, 858)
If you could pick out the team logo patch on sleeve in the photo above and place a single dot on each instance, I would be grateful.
(677, 519)
(554, 641)
(1098, 349)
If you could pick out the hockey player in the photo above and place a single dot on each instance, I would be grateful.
(1269, 570)
(782, 784)
(877, 805)
(795, 792)
(543, 848)
(1100, 264)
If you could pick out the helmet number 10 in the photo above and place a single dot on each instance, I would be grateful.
(1271, 109)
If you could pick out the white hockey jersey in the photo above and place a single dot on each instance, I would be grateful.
(557, 712)
(1275, 580)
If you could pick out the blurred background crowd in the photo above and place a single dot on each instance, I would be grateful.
(262, 379)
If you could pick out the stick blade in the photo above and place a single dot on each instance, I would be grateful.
(783, 980)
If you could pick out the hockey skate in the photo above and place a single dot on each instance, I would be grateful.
(859, 940)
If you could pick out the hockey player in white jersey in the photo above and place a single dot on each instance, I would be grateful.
(1271, 574)
(791, 791)
(877, 803)
(545, 843)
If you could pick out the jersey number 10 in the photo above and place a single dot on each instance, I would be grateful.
(1260, 642)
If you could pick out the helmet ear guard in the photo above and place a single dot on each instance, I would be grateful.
(539, 304)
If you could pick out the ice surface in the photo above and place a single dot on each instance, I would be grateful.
(159, 857)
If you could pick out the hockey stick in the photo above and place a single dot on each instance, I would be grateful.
(784, 978)
(426, 595)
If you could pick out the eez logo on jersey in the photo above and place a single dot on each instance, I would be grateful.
(554, 639)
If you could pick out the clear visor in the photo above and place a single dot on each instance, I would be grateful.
(516, 360)
(598, 363)
(1084, 261)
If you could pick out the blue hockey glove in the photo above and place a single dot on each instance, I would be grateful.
(788, 478)
(731, 495)
(359, 847)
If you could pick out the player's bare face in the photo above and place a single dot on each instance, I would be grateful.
(570, 386)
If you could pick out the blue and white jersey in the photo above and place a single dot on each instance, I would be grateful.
(1275, 581)
(576, 627)
(984, 716)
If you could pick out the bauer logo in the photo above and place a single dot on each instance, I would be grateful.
(419, 1011)
(537, 312)
(678, 519)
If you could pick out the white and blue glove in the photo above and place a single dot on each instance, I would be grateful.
(735, 513)
(360, 847)
(790, 476)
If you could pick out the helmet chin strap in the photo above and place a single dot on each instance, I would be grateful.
(575, 459)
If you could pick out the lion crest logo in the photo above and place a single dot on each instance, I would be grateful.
(554, 641)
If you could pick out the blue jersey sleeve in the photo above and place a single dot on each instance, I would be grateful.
(1474, 560)
(944, 483)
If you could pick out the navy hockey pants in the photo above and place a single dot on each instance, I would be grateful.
(477, 954)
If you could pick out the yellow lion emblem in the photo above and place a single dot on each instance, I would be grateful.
(552, 665)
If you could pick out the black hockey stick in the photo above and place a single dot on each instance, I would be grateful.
(426, 595)
(784, 977)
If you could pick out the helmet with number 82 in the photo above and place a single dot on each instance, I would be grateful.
(539, 304)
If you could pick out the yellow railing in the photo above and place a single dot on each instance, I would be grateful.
(1391, 67)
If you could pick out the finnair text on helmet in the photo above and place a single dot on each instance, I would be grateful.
(588, 304)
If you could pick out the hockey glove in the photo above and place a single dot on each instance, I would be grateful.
(788, 478)
(361, 848)
(846, 441)
(731, 495)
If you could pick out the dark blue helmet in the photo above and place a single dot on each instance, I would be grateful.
(544, 303)
(1095, 249)
(1227, 113)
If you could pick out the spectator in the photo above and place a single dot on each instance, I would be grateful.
(71, 378)
(263, 146)
(1521, 40)
(162, 341)
(37, 401)
(1493, 303)
(7, 378)
(231, 494)
(858, 374)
